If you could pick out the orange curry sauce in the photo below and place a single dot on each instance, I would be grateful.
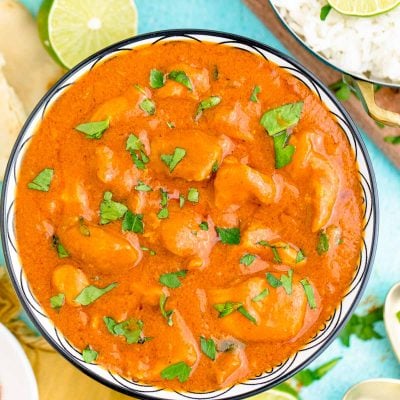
(255, 299)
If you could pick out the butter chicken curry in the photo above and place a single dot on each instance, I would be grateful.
(189, 215)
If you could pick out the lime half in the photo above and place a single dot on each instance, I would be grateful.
(72, 30)
(363, 8)
(275, 394)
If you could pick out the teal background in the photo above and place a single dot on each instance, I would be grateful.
(363, 359)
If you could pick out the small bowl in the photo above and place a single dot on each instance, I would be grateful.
(374, 389)
(278, 373)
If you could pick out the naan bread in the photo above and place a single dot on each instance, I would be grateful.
(12, 117)
(29, 69)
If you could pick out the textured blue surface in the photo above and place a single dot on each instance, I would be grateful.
(363, 359)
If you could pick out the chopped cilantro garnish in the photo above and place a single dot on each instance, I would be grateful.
(227, 308)
(148, 106)
(42, 181)
(254, 93)
(151, 252)
(181, 77)
(172, 160)
(61, 251)
(171, 125)
(323, 243)
(300, 256)
(156, 79)
(309, 291)
(91, 293)
(273, 281)
(247, 259)
(193, 195)
(181, 200)
(325, 10)
(171, 279)
(133, 222)
(229, 235)
(283, 151)
(246, 314)
(94, 130)
(262, 295)
(307, 376)
(287, 281)
(167, 314)
(208, 347)
(143, 187)
(89, 355)
(210, 102)
(57, 301)
(136, 148)
(111, 210)
(392, 139)
(203, 226)
(180, 370)
(130, 329)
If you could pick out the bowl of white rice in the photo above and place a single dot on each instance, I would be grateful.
(366, 49)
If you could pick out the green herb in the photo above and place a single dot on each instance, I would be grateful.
(323, 243)
(210, 102)
(300, 256)
(309, 291)
(172, 160)
(131, 330)
(179, 370)
(229, 235)
(136, 148)
(341, 90)
(215, 167)
(163, 213)
(287, 281)
(227, 308)
(57, 301)
(208, 347)
(171, 279)
(215, 73)
(283, 151)
(325, 10)
(362, 326)
(140, 89)
(279, 119)
(307, 376)
(167, 314)
(156, 79)
(133, 222)
(247, 259)
(83, 228)
(94, 130)
(398, 316)
(254, 93)
(203, 226)
(392, 139)
(151, 252)
(273, 281)
(246, 314)
(193, 195)
(111, 210)
(89, 355)
(274, 250)
(42, 181)
(182, 78)
(148, 106)
(92, 293)
(262, 295)
(61, 251)
(181, 200)
(171, 125)
(142, 187)
(287, 388)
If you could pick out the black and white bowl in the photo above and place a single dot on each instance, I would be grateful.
(280, 372)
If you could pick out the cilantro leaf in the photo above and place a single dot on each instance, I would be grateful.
(273, 281)
(229, 235)
(136, 148)
(143, 187)
(111, 210)
(182, 78)
(91, 293)
(94, 130)
(89, 355)
(133, 222)
(193, 195)
(227, 308)
(172, 160)
(279, 119)
(286, 281)
(61, 250)
(246, 314)
(156, 79)
(283, 151)
(392, 139)
(130, 329)
(325, 10)
(262, 295)
(307, 376)
(323, 243)
(57, 301)
(167, 314)
(208, 347)
(179, 370)
(148, 106)
(247, 259)
(209, 102)
(309, 291)
(171, 279)
(203, 226)
(300, 256)
(254, 93)
(42, 181)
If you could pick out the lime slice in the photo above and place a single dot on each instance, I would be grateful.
(72, 30)
(275, 394)
(363, 8)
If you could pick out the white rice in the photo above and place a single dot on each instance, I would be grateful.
(369, 47)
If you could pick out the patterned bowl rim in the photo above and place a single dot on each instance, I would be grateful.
(333, 325)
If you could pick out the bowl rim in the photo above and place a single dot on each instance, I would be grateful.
(166, 34)
(324, 59)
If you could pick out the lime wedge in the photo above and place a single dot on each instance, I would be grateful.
(275, 394)
(72, 30)
(363, 8)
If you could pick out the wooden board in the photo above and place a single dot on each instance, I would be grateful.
(385, 97)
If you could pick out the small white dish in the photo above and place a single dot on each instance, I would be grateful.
(392, 322)
(374, 389)
(17, 380)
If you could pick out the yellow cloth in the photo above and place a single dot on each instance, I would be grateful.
(57, 378)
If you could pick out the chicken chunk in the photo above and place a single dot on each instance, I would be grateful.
(236, 184)
(101, 250)
(181, 235)
(202, 152)
(278, 316)
(70, 281)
